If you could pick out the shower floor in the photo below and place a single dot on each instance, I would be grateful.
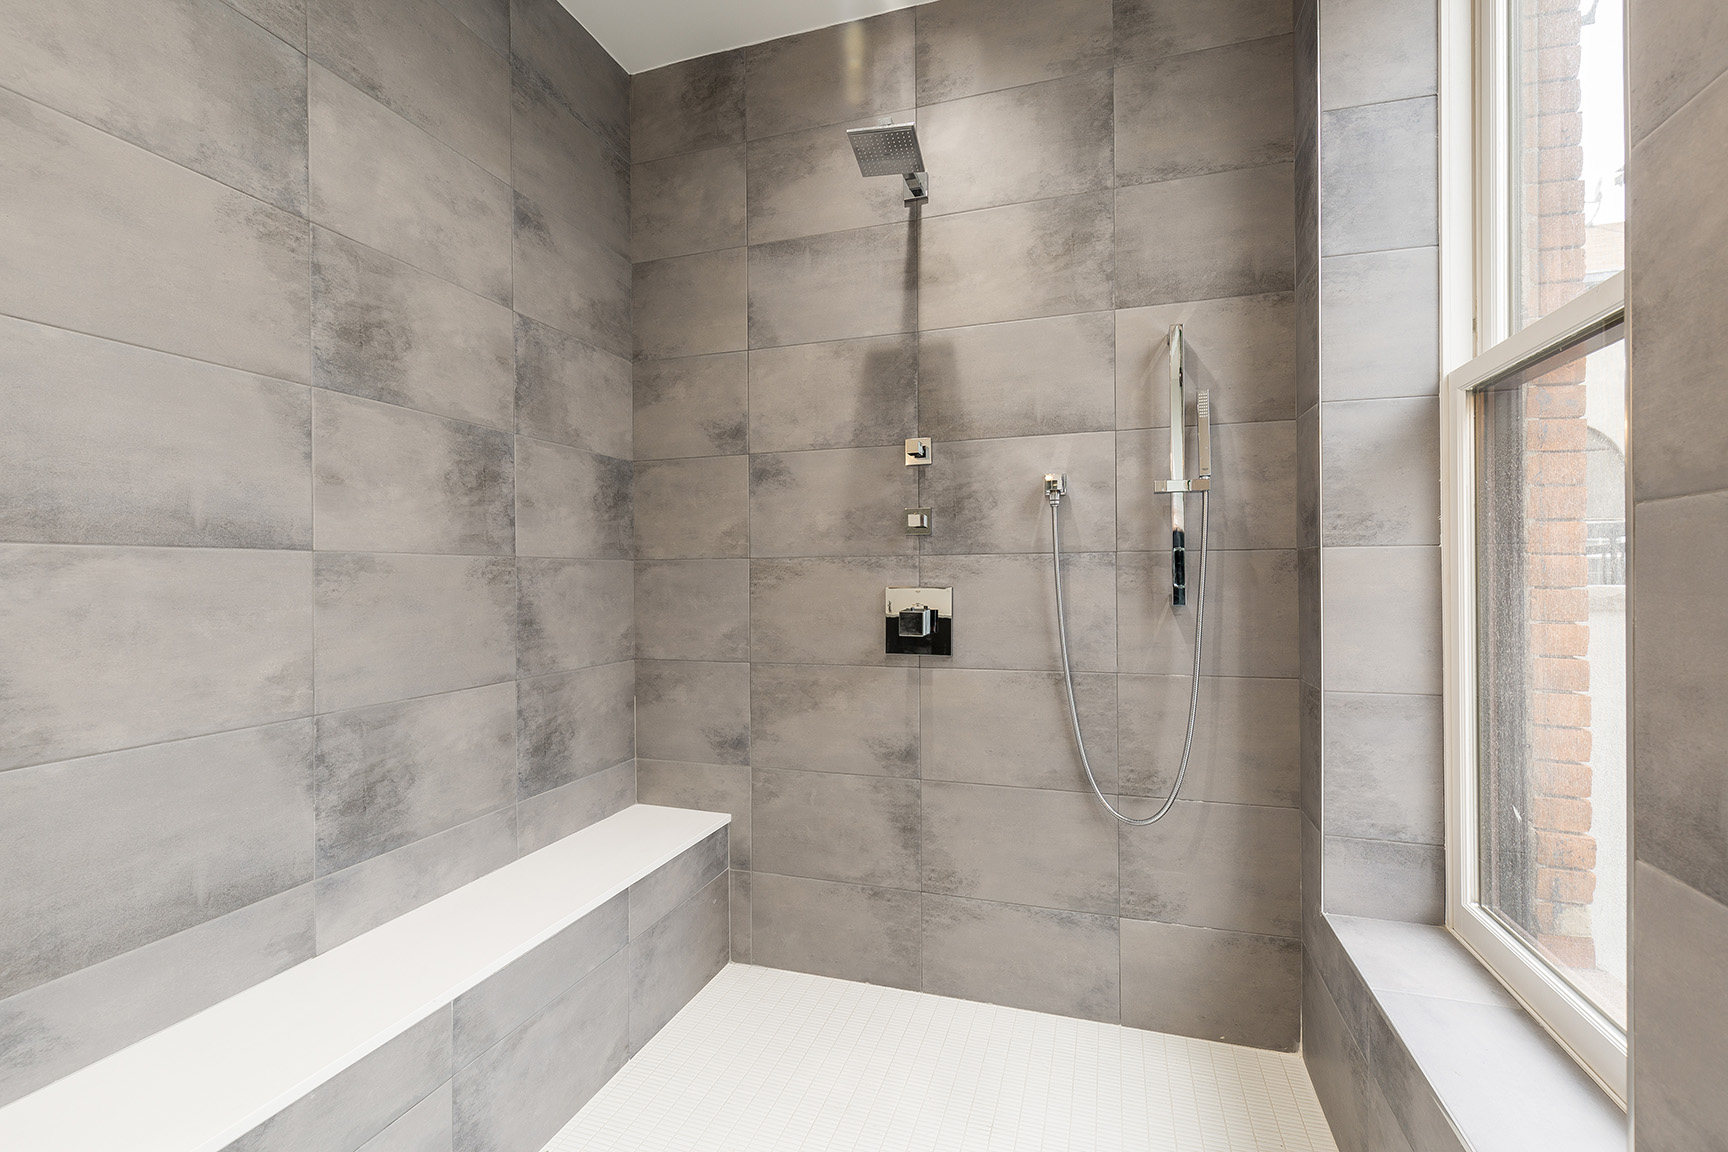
(771, 1061)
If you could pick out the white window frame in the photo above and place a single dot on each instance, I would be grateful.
(1475, 349)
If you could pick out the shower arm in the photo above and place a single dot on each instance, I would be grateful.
(1179, 484)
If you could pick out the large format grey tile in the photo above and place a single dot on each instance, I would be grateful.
(830, 75)
(108, 443)
(1041, 959)
(1380, 483)
(1028, 143)
(556, 52)
(1203, 237)
(693, 202)
(825, 610)
(1252, 502)
(832, 826)
(1229, 866)
(846, 931)
(1250, 614)
(1150, 28)
(691, 305)
(569, 278)
(1383, 778)
(573, 724)
(693, 508)
(1381, 619)
(689, 105)
(1013, 728)
(988, 495)
(835, 502)
(706, 788)
(391, 627)
(426, 1127)
(827, 718)
(1008, 609)
(113, 241)
(970, 46)
(674, 959)
(806, 183)
(1020, 845)
(1355, 1108)
(1202, 112)
(565, 168)
(570, 392)
(1227, 986)
(554, 814)
(390, 479)
(574, 614)
(230, 823)
(115, 647)
(198, 84)
(385, 330)
(1674, 52)
(1382, 331)
(670, 885)
(572, 503)
(692, 406)
(834, 287)
(1020, 378)
(693, 609)
(1015, 262)
(1379, 177)
(1374, 51)
(284, 19)
(395, 773)
(384, 182)
(418, 59)
(1385, 879)
(1246, 738)
(1239, 349)
(692, 711)
(838, 395)
(488, 19)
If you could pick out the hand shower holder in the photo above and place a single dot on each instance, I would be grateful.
(1172, 487)
(1179, 485)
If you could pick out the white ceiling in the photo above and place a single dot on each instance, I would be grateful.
(644, 34)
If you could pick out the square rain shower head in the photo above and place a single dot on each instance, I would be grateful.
(892, 150)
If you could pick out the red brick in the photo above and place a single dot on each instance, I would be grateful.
(1561, 744)
(1544, 435)
(1562, 266)
(1559, 394)
(1557, 639)
(1558, 295)
(1562, 130)
(1559, 604)
(1550, 28)
(1556, 849)
(1559, 62)
(1550, 469)
(1555, 672)
(1577, 952)
(1548, 571)
(1559, 197)
(1574, 780)
(1565, 885)
(1563, 537)
(1558, 96)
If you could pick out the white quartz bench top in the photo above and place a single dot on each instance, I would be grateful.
(200, 1084)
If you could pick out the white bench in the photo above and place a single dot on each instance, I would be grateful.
(421, 1020)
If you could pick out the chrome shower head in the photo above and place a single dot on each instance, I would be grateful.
(892, 150)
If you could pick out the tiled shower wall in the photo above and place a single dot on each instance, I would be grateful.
(314, 360)
(1098, 172)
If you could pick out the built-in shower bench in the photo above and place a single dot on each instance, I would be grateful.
(492, 1013)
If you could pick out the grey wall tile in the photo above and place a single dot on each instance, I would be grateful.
(1674, 51)
(230, 822)
(691, 305)
(840, 930)
(565, 168)
(1383, 772)
(675, 958)
(988, 495)
(396, 773)
(706, 788)
(1253, 500)
(426, 1127)
(693, 508)
(837, 395)
(418, 59)
(826, 718)
(557, 812)
(1379, 177)
(573, 724)
(740, 915)
(1250, 615)
(488, 19)
(1203, 237)
(1381, 618)
(1385, 880)
(517, 1094)
(547, 42)
(1309, 622)
(694, 712)
(390, 627)
(570, 392)
(834, 287)
(1246, 738)
(572, 503)
(390, 479)
(835, 502)
(384, 182)
(1381, 336)
(830, 826)
(825, 611)
(1026, 143)
(1227, 986)
(689, 105)
(989, 727)
(1244, 90)
(1149, 28)
(200, 85)
(1308, 328)
(364, 1098)
(1381, 482)
(285, 19)
(1046, 258)
(806, 183)
(1008, 610)
(385, 330)
(109, 443)
(360, 898)
(694, 406)
(693, 202)
(1313, 754)
(693, 609)
(1354, 1106)
(113, 241)
(1020, 378)
(1052, 849)
(1229, 866)
(662, 891)
(569, 278)
(58, 1027)
(1040, 959)
(1308, 478)
(1238, 349)
(829, 75)
(1371, 51)
(223, 634)
(971, 46)
(574, 614)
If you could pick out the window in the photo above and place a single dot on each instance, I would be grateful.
(1536, 534)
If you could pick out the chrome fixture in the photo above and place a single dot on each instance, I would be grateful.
(918, 521)
(918, 451)
(891, 149)
(1179, 483)
(920, 622)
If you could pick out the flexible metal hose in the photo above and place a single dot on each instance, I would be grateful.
(1068, 671)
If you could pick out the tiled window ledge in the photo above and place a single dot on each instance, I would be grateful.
(1460, 1064)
